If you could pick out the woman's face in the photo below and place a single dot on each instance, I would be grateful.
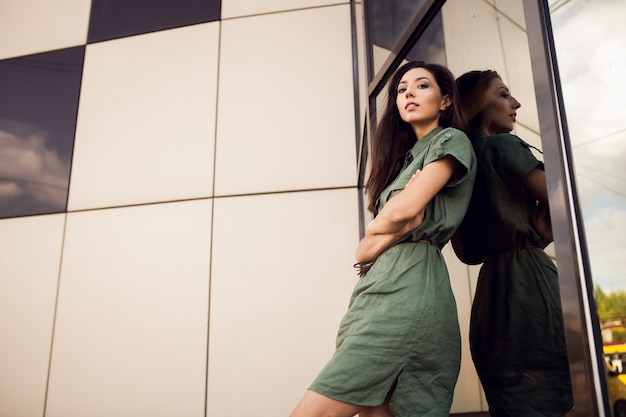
(419, 100)
(501, 109)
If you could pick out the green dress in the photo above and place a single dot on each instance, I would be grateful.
(516, 328)
(400, 336)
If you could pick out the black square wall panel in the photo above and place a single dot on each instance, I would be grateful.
(38, 108)
(112, 19)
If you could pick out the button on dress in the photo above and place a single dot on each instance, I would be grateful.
(401, 333)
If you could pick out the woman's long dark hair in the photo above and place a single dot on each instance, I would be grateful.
(394, 137)
(472, 87)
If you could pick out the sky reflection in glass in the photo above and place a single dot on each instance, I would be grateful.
(37, 123)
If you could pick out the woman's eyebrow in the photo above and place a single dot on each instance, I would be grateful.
(417, 79)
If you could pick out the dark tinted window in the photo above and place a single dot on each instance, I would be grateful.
(118, 18)
(38, 106)
(388, 20)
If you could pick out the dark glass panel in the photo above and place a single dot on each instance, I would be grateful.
(38, 109)
(430, 46)
(387, 20)
(112, 19)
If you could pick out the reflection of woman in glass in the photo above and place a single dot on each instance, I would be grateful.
(516, 330)
(398, 347)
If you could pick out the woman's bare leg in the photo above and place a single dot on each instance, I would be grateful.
(313, 404)
(379, 411)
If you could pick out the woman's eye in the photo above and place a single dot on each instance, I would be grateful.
(401, 90)
(422, 85)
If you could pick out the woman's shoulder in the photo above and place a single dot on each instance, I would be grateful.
(453, 142)
(452, 132)
(501, 142)
(452, 135)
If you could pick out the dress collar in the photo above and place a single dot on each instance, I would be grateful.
(423, 142)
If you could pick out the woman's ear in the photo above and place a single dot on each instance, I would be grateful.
(446, 102)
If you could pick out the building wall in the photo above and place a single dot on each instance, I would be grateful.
(204, 258)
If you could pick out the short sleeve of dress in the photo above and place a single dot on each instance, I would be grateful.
(511, 158)
(454, 143)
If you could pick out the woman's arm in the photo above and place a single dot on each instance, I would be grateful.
(405, 211)
(371, 246)
(406, 205)
(535, 184)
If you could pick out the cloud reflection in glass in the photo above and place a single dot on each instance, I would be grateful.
(38, 107)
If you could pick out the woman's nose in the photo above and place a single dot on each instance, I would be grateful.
(516, 104)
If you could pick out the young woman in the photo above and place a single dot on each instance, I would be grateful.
(398, 347)
(516, 328)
